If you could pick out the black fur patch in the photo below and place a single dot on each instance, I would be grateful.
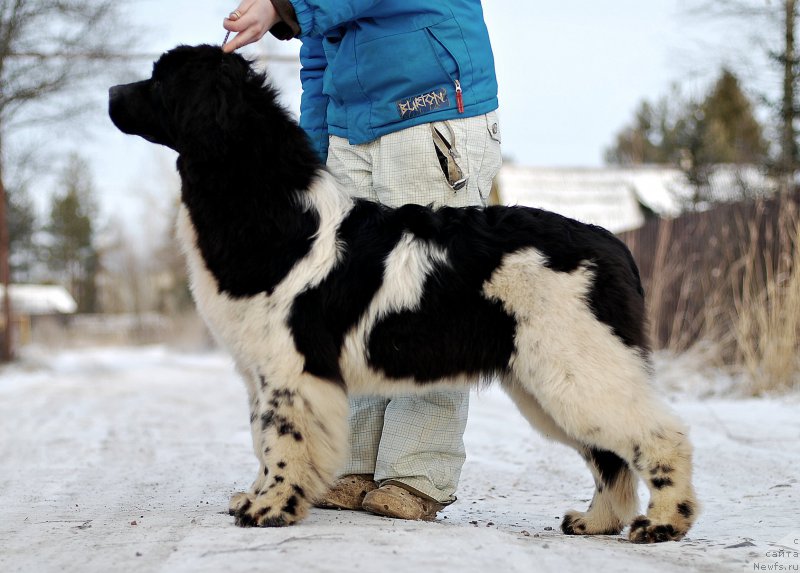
(448, 334)
(223, 119)
(261, 512)
(242, 509)
(282, 396)
(608, 464)
(637, 457)
(567, 525)
(661, 468)
(661, 482)
(277, 521)
(283, 425)
(291, 506)
(685, 509)
(267, 419)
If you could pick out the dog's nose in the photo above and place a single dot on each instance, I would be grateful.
(114, 92)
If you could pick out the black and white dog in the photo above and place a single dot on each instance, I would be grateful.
(317, 295)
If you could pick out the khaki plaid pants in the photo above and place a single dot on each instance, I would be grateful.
(417, 440)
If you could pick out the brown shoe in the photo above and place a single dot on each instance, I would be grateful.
(347, 492)
(394, 501)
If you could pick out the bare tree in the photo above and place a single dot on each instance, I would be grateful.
(50, 50)
(775, 22)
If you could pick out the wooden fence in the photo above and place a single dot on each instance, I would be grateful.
(701, 269)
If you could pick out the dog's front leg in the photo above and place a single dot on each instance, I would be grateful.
(300, 435)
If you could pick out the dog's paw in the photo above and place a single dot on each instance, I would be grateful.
(644, 530)
(269, 509)
(579, 523)
(238, 501)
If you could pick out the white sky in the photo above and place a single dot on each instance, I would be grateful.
(571, 74)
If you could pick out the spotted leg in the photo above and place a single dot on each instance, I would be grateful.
(300, 432)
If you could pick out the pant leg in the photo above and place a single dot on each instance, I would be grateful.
(422, 443)
(366, 427)
(352, 167)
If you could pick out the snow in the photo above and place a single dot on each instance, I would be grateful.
(40, 299)
(607, 196)
(124, 458)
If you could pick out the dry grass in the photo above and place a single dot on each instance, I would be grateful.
(728, 280)
(766, 315)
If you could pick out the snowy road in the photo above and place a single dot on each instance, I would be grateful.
(124, 459)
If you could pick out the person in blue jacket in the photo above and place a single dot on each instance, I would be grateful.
(399, 99)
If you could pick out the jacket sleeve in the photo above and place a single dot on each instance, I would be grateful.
(315, 17)
(314, 103)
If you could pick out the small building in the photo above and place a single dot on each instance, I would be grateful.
(30, 302)
(34, 300)
(620, 198)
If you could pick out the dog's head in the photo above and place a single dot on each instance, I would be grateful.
(194, 100)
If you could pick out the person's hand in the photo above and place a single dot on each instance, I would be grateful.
(251, 20)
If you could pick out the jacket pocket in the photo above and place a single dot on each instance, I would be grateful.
(452, 53)
(408, 67)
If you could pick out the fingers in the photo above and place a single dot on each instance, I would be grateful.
(233, 21)
(241, 9)
(247, 36)
(250, 20)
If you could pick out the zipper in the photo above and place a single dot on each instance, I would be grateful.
(459, 93)
(459, 97)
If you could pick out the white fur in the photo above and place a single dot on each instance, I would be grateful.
(254, 330)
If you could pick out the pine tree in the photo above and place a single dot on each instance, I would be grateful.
(772, 25)
(71, 254)
(656, 134)
(695, 136)
(724, 131)
(728, 127)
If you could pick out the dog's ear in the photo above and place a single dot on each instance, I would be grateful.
(230, 86)
(211, 119)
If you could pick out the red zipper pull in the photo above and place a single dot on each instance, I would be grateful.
(459, 97)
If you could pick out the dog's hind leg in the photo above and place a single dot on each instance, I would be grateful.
(611, 409)
(594, 384)
(615, 501)
(300, 432)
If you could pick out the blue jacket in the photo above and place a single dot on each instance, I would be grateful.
(372, 67)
